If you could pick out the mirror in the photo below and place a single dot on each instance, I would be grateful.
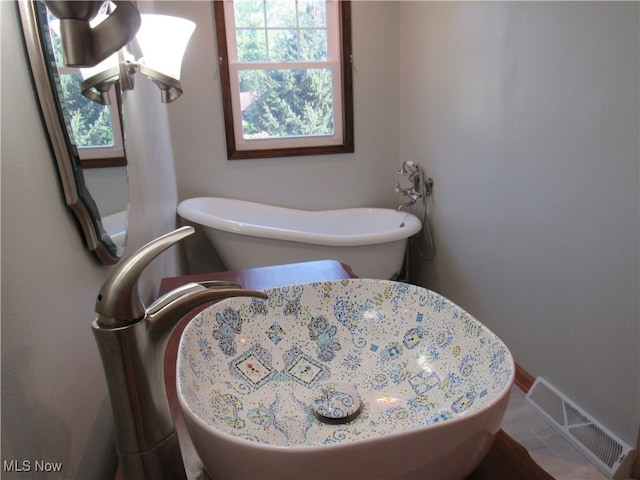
(85, 138)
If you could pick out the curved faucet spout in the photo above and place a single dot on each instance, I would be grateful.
(408, 203)
(132, 339)
(118, 303)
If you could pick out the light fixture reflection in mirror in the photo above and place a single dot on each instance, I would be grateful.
(85, 191)
(93, 30)
(161, 60)
(91, 194)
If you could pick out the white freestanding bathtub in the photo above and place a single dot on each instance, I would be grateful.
(371, 241)
(116, 226)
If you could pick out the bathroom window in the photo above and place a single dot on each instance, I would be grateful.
(286, 77)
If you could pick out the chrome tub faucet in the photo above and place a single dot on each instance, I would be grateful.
(132, 341)
(420, 186)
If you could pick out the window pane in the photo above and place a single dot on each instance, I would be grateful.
(297, 45)
(313, 45)
(294, 31)
(284, 103)
(281, 13)
(90, 121)
(283, 45)
(312, 13)
(252, 46)
(249, 13)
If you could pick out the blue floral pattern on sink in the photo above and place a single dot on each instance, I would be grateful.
(250, 367)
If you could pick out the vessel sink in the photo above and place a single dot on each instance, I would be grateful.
(350, 379)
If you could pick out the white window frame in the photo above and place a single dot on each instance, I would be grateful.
(340, 140)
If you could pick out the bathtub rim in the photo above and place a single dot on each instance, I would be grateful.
(188, 209)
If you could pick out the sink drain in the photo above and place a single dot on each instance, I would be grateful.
(335, 402)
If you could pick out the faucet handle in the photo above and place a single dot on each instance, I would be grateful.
(216, 284)
(163, 313)
(190, 289)
(118, 302)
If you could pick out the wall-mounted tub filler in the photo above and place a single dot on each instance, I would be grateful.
(421, 189)
(420, 185)
(132, 340)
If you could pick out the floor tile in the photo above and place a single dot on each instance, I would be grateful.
(548, 448)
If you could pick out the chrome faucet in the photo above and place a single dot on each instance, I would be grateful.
(418, 189)
(132, 340)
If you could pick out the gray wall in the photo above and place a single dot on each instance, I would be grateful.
(526, 115)
(54, 399)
